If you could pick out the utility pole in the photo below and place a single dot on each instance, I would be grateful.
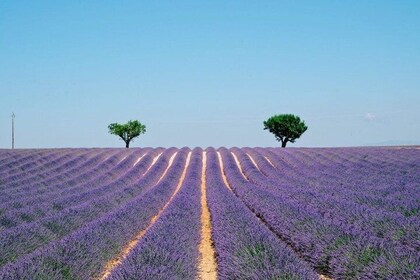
(13, 130)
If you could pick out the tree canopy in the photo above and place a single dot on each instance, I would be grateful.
(128, 131)
(285, 127)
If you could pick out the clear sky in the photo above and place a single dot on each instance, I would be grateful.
(208, 73)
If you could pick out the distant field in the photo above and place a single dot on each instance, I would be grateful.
(249, 213)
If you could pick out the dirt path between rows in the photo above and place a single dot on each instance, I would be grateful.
(139, 159)
(269, 161)
(223, 173)
(321, 276)
(253, 161)
(239, 165)
(121, 160)
(207, 266)
(112, 264)
(153, 163)
(171, 160)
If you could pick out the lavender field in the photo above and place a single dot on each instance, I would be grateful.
(239, 213)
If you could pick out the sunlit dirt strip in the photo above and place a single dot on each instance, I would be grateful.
(109, 155)
(153, 163)
(253, 161)
(269, 161)
(171, 160)
(321, 276)
(139, 159)
(121, 160)
(111, 265)
(239, 166)
(207, 266)
(223, 173)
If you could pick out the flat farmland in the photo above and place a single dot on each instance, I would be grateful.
(238, 213)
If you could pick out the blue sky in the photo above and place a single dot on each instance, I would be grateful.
(208, 73)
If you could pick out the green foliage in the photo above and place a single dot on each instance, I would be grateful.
(360, 259)
(128, 131)
(411, 212)
(26, 217)
(285, 127)
(6, 222)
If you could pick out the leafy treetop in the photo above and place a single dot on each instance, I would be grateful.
(285, 127)
(128, 131)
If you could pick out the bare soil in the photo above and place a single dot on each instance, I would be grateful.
(112, 264)
(207, 266)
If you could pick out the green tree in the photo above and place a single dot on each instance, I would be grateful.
(128, 131)
(285, 127)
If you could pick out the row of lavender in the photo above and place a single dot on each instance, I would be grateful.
(294, 211)
(169, 249)
(98, 216)
(83, 250)
(384, 183)
(246, 247)
(380, 177)
(76, 207)
(77, 210)
(36, 166)
(51, 193)
(30, 200)
(319, 217)
(335, 202)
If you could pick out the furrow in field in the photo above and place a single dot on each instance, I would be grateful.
(365, 190)
(26, 238)
(227, 184)
(57, 184)
(171, 160)
(269, 161)
(17, 171)
(222, 172)
(138, 160)
(42, 175)
(170, 248)
(56, 198)
(334, 206)
(253, 161)
(83, 253)
(112, 264)
(272, 213)
(256, 215)
(207, 266)
(26, 160)
(246, 248)
(93, 168)
(238, 164)
(153, 162)
(315, 193)
(12, 160)
(330, 247)
(296, 172)
(262, 163)
(52, 162)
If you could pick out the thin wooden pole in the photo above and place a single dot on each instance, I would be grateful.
(13, 130)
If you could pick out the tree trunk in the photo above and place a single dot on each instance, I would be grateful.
(283, 144)
(127, 144)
